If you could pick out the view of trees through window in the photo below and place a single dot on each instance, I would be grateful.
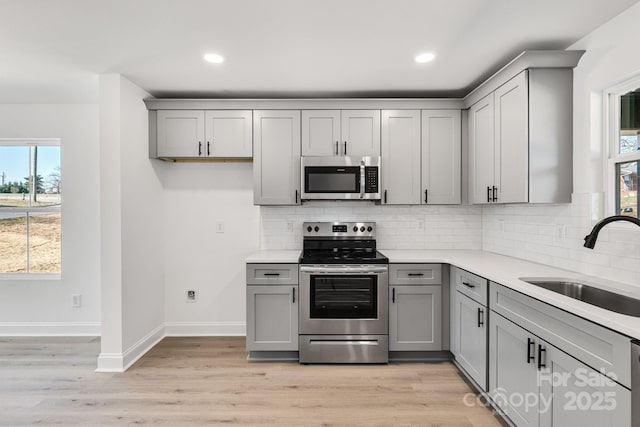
(30, 199)
(627, 172)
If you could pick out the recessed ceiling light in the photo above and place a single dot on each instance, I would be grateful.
(424, 57)
(214, 58)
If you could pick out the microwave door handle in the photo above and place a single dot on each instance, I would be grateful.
(362, 183)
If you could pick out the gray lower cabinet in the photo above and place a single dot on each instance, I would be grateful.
(535, 383)
(415, 318)
(470, 338)
(272, 309)
(272, 318)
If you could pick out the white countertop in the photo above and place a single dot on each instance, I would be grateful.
(275, 256)
(505, 271)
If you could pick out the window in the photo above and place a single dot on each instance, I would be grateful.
(30, 199)
(624, 149)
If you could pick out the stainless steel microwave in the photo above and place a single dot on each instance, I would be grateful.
(335, 178)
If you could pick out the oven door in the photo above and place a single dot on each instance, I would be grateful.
(344, 299)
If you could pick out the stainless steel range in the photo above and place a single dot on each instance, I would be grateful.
(344, 281)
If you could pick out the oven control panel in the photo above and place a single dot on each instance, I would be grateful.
(339, 229)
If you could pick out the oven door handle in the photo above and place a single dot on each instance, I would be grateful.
(360, 269)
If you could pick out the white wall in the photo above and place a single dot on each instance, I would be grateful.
(196, 197)
(131, 226)
(43, 307)
(531, 232)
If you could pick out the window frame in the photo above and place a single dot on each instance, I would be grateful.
(28, 275)
(612, 138)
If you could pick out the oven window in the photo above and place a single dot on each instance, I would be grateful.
(344, 297)
(332, 179)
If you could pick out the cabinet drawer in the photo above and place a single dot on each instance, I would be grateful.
(272, 274)
(475, 287)
(415, 274)
(598, 347)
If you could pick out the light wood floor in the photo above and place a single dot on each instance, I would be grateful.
(207, 381)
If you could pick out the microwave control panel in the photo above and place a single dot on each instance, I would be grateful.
(371, 179)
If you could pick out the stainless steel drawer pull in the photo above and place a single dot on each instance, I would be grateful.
(415, 274)
(271, 274)
(344, 342)
(469, 285)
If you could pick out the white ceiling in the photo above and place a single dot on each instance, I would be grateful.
(53, 50)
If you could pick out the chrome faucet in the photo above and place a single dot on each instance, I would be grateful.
(590, 240)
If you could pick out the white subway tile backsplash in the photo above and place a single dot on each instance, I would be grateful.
(398, 227)
(533, 233)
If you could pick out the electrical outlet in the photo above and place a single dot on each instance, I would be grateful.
(219, 227)
(76, 301)
(192, 295)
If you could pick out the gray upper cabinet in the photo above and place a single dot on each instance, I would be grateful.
(360, 130)
(401, 157)
(228, 133)
(276, 161)
(421, 157)
(321, 133)
(520, 140)
(204, 134)
(441, 157)
(341, 132)
(180, 133)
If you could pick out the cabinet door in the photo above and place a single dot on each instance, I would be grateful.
(360, 130)
(272, 318)
(276, 163)
(401, 154)
(180, 133)
(481, 155)
(441, 156)
(512, 373)
(228, 133)
(415, 322)
(573, 394)
(512, 140)
(321, 133)
(471, 338)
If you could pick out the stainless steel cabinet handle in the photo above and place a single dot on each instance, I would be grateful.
(530, 357)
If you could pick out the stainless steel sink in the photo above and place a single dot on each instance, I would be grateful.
(591, 295)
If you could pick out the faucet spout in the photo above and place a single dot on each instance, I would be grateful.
(590, 239)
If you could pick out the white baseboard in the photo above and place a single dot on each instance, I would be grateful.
(49, 329)
(205, 329)
(120, 362)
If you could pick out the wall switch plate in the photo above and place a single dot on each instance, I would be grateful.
(290, 226)
(76, 301)
(219, 227)
(561, 232)
(192, 295)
